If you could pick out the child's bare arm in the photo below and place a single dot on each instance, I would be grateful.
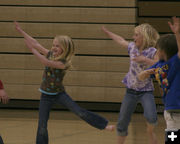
(31, 40)
(43, 59)
(147, 61)
(120, 40)
(145, 74)
(175, 27)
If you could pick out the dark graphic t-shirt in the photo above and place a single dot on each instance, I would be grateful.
(52, 80)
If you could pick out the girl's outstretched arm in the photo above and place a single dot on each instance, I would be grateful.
(43, 59)
(175, 27)
(120, 40)
(31, 40)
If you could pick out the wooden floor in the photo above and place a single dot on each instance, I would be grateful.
(19, 127)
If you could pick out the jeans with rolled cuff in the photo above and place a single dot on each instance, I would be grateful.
(63, 98)
(129, 103)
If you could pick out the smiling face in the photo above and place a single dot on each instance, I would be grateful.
(56, 48)
(138, 38)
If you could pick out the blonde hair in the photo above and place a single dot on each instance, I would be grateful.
(150, 35)
(67, 46)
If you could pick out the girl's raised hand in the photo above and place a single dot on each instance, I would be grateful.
(17, 26)
(104, 29)
(175, 25)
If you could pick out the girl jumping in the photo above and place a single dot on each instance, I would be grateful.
(142, 55)
(57, 61)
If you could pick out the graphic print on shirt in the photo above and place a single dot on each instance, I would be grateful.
(161, 77)
(53, 78)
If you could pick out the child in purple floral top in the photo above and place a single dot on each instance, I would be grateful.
(142, 55)
(131, 81)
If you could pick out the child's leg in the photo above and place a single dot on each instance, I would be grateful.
(90, 117)
(121, 139)
(150, 113)
(151, 134)
(127, 108)
(1, 140)
(44, 109)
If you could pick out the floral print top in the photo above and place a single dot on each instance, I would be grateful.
(131, 79)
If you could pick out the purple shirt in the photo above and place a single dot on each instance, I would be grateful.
(131, 80)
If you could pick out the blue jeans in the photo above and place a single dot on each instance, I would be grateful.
(1, 140)
(45, 106)
(128, 106)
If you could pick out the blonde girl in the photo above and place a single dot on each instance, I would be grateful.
(56, 62)
(142, 55)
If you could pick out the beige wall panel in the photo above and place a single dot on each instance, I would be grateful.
(95, 47)
(61, 14)
(101, 3)
(80, 63)
(72, 78)
(94, 94)
(92, 31)
(158, 8)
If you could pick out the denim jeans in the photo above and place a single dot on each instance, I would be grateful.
(1, 140)
(45, 106)
(128, 106)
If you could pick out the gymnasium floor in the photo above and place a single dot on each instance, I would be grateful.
(19, 127)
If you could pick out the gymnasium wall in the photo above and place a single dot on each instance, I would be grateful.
(99, 64)
(158, 13)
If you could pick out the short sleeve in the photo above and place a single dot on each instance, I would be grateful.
(67, 65)
(152, 53)
(130, 46)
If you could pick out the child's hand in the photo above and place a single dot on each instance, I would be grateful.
(150, 71)
(145, 74)
(104, 29)
(175, 25)
(3, 96)
(17, 26)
